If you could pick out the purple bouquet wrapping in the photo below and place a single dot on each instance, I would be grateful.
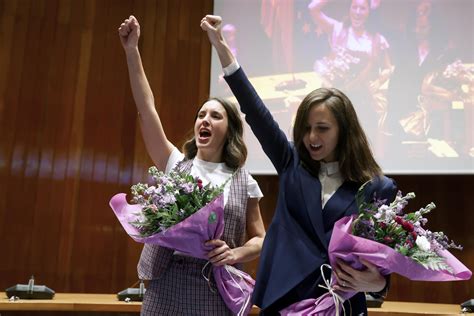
(186, 235)
(393, 242)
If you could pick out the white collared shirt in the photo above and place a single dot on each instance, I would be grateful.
(230, 69)
(214, 173)
(331, 179)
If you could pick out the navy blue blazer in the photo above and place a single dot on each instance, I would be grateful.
(297, 239)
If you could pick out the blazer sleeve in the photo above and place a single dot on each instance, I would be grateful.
(272, 139)
(381, 188)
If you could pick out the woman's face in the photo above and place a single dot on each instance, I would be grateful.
(322, 134)
(210, 130)
(423, 11)
(359, 13)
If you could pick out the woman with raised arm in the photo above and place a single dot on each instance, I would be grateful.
(319, 175)
(215, 153)
(359, 62)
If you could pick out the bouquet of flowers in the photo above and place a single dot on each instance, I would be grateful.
(180, 213)
(459, 71)
(392, 240)
(174, 197)
(336, 66)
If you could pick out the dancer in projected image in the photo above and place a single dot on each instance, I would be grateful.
(215, 153)
(359, 62)
(319, 175)
(427, 81)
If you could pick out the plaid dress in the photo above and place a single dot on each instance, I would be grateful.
(177, 285)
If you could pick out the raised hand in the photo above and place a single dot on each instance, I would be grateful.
(129, 33)
(317, 4)
(212, 24)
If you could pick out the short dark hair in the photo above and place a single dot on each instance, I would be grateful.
(234, 153)
(356, 161)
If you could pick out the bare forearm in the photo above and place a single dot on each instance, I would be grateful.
(428, 88)
(157, 144)
(249, 251)
(141, 90)
(326, 23)
(225, 55)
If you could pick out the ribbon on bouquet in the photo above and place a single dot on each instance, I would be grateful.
(338, 300)
(208, 277)
(232, 272)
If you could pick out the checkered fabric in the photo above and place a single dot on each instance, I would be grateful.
(177, 285)
(182, 290)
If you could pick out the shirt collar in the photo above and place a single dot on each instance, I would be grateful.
(329, 168)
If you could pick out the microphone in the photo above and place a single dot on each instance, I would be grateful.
(30, 291)
(468, 306)
(133, 294)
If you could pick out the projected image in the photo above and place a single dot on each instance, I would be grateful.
(407, 66)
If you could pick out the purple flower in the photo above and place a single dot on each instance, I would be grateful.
(167, 199)
(402, 231)
(187, 187)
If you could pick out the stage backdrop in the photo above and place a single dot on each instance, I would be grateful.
(69, 140)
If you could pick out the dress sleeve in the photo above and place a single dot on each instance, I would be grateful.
(253, 189)
(272, 139)
(175, 157)
(383, 43)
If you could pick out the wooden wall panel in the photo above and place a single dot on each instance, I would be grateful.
(69, 135)
(69, 140)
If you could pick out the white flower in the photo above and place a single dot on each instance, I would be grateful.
(423, 243)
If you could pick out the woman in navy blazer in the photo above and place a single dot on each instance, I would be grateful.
(319, 175)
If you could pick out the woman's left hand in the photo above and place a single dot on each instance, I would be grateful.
(367, 280)
(222, 254)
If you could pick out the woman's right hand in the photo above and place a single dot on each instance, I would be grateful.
(317, 4)
(212, 24)
(129, 33)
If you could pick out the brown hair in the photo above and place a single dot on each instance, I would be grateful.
(234, 153)
(356, 161)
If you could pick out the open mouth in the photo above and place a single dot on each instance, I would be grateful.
(315, 147)
(204, 134)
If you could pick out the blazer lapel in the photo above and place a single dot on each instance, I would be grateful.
(338, 204)
(311, 191)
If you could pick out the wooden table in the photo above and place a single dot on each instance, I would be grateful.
(80, 302)
(410, 308)
(71, 302)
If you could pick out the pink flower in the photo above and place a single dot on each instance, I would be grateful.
(154, 208)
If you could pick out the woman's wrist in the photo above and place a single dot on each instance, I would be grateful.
(384, 291)
(130, 51)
